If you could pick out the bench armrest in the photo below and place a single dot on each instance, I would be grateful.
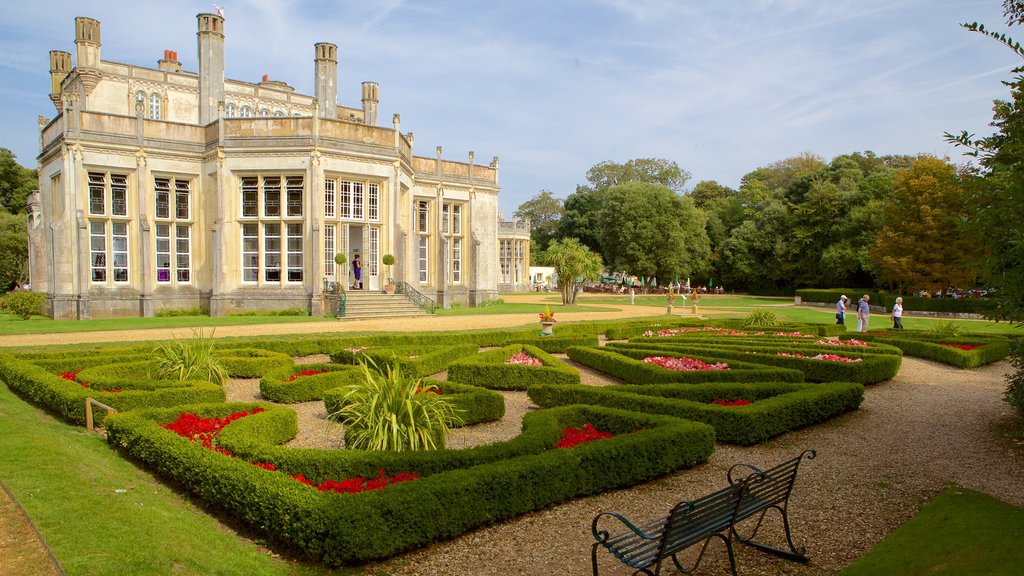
(754, 471)
(603, 535)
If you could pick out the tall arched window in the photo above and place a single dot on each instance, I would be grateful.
(230, 111)
(154, 106)
(246, 111)
(278, 112)
(264, 112)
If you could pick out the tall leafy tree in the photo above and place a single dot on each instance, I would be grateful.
(707, 191)
(650, 170)
(580, 218)
(996, 199)
(543, 211)
(923, 244)
(16, 183)
(574, 263)
(649, 230)
(13, 251)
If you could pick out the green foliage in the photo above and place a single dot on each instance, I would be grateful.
(762, 317)
(776, 407)
(251, 362)
(278, 385)
(390, 411)
(16, 183)
(13, 250)
(924, 345)
(917, 303)
(945, 329)
(285, 312)
(494, 482)
(573, 263)
(1014, 395)
(641, 170)
(176, 312)
(495, 302)
(543, 211)
(475, 405)
(489, 370)
(194, 358)
(648, 230)
(923, 244)
(24, 304)
(627, 366)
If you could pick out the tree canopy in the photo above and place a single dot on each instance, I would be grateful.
(544, 212)
(649, 170)
(573, 262)
(16, 183)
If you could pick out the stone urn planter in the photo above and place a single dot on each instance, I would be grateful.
(545, 328)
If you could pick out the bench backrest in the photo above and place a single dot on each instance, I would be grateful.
(772, 487)
(694, 520)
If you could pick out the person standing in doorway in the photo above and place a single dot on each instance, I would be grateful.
(841, 309)
(863, 311)
(897, 314)
(357, 270)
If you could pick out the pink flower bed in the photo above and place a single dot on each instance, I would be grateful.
(850, 342)
(828, 357)
(684, 364)
(575, 436)
(524, 359)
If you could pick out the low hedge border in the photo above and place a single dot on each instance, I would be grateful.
(626, 365)
(871, 369)
(953, 305)
(775, 407)
(475, 404)
(756, 342)
(66, 398)
(274, 385)
(430, 359)
(990, 350)
(252, 362)
(488, 369)
(349, 528)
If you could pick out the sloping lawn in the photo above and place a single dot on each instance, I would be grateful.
(959, 532)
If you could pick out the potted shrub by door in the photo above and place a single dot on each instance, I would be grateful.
(388, 260)
(547, 321)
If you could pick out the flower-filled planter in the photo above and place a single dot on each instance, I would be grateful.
(684, 364)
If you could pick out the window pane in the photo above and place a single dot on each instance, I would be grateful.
(249, 197)
(329, 191)
(97, 193)
(357, 200)
(118, 195)
(272, 252)
(295, 252)
(163, 197)
(181, 199)
(373, 202)
(183, 251)
(345, 199)
(272, 197)
(250, 253)
(294, 196)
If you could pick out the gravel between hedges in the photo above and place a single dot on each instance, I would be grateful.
(913, 435)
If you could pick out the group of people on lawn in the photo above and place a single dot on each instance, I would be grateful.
(863, 311)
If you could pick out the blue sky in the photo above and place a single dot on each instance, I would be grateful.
(556, 86)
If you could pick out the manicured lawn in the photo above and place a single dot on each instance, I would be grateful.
(959, 532)
(102, 515)
(10, 324)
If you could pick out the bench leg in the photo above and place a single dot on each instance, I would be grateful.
(795, 554)
(728, 548)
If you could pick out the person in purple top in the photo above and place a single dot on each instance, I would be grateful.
(357, 270)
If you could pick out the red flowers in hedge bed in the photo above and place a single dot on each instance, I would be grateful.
(575, 436)
(73, 377)
(828, 357)
(305, 373)
(195, 428)
(967, 347)
(723, 402)
(524, 359)
(359, 484)
(684, 364)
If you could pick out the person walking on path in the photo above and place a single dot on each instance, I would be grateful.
(841, 309)
(897, 314)
(862, 313)
(632, 295)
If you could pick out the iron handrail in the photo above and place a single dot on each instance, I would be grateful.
(416, 297)
(336, 289)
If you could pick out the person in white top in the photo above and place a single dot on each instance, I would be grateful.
(897, 314)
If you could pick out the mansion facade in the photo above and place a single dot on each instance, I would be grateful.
(162, 189)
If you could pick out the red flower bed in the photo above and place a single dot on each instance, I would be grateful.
(73, 376)
(204, 430)
(524, 359)
(429, 391)
(684, 364)
(265, 466)
(723, 402)
(961, 346)
(575, 436)
(306, 373)
(828, 357)
(359, 484)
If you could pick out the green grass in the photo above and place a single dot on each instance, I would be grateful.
(11, 324)
(523, 307)
(102, 515)
(959, 532)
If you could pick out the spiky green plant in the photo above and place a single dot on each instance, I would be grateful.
(189, 359)
(762, 317)
(392, 411)
(945, 329)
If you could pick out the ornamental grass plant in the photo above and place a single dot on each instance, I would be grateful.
(390, 411)
(762, 317)
(945, 329)
(192, 358)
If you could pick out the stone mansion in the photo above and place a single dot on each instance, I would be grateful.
(162, 188)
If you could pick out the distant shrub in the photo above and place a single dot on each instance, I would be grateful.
(24, 304)
(762, 317)
(175, 312)
(946, 329)
(495, 302)
(285, 312)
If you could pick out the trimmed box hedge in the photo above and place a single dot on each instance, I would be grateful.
(871, 369)
(475, 404)
(990, 349)
(910, 303)
(776, 407)
(756, 342)
(489, 370)
(66, 398)
(350, 528)
(252, 362)
(274, 386)
(626, 365)
(413, 361)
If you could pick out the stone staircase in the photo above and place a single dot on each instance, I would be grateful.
(366, 304)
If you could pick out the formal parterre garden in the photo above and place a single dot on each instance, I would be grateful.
(682, 386)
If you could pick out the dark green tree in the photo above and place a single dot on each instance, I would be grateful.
(580, 218)
(649, 170)
(13, 250)
(649, 230)
(16, 183)
(543, 211)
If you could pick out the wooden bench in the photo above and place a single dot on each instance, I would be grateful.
(645, 547)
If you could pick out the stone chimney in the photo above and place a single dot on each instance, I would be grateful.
(326, 81)
(87, 42)
(170, 62)
(211, 65)
(60, 66)
(370, 102)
